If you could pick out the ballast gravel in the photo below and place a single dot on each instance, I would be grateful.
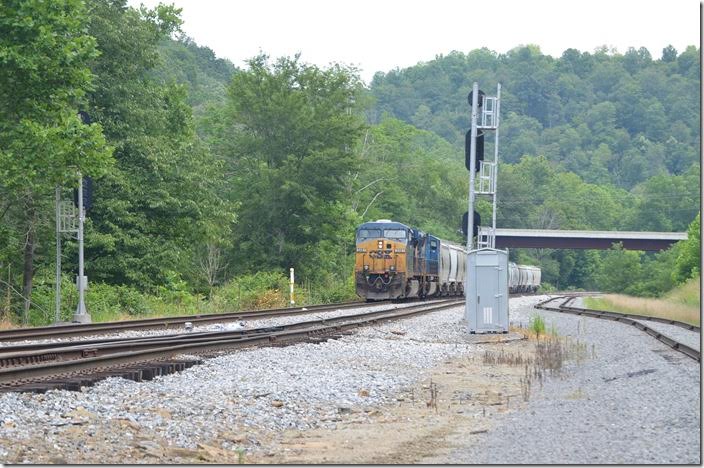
(687, 337)
(633, 401)
(215, 327)
(313, 382)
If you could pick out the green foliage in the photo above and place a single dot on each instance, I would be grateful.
(608, 117)
(161, 200)
(687, 264)
(278, 166)
(537, 325)
(252, 291)
(205, 76)
(288, 153)
(619, 270)
(44, 76)
(410, 175)
(108, 302)
(688, 293)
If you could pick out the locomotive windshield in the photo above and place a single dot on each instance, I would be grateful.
(368, 234)
(395, 233)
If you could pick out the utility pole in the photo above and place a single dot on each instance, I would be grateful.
(472, 166)
(57, 312)
(81, 314)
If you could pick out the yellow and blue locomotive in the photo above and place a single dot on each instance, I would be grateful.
(395, 261)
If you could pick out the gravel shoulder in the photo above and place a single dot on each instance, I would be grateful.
(417, 390)
(633, 401)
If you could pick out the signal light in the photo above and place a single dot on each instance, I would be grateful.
(87, 194)
(480, 98)
(478, 151)
(475, 228)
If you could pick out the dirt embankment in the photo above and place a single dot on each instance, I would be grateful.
(454, 402)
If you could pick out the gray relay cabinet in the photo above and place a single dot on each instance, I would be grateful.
(486, 307)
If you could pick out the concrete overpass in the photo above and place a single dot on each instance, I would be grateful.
(555, 239)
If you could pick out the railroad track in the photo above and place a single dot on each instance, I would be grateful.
(68, 330)
(629, 319)
(163, 323)
(72, 365)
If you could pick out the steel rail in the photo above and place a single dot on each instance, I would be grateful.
(685, 325)
(58, 351)
(627, 319)
(69, 330)
(165, 322)
(22, 375)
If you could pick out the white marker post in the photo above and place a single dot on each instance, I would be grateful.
(293, 302)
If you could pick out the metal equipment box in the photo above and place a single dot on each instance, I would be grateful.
(486, 305)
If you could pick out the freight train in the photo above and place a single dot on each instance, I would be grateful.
(395, 261)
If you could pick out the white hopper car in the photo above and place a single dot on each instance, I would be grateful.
(523, 278)
(452, 265)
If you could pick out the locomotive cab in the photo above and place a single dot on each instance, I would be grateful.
(381, 259)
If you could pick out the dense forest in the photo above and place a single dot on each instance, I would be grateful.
(210, 181)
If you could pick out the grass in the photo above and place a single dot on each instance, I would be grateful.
(687, 294)
(537, 325)
(682, 304)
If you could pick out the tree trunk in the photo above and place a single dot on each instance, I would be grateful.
(28, 268)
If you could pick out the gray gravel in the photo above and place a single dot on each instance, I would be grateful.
(313, 383)
(687, 337)
(211, 327)
(636, 401)
(597, 413)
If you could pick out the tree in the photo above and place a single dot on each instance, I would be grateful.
(688, 262)
(620, 270)
(293, 130)
(44, 77)
(159, 205)
(669, 54)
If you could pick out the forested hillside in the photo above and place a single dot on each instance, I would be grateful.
(211, 180)
(597, 140)
(608, 117)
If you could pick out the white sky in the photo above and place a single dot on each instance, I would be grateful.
(379, 35)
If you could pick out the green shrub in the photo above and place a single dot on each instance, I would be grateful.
(332, 289)
(537, 324)
(260, 290)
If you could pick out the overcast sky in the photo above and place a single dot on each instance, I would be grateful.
(379, 35)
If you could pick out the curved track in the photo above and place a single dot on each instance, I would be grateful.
(629, 319)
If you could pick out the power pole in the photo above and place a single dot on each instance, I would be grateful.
(81, 314)
(57, 312)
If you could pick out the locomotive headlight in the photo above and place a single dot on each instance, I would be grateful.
(392, 268)
(381, 244)
(361, 249)
(366, 267)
